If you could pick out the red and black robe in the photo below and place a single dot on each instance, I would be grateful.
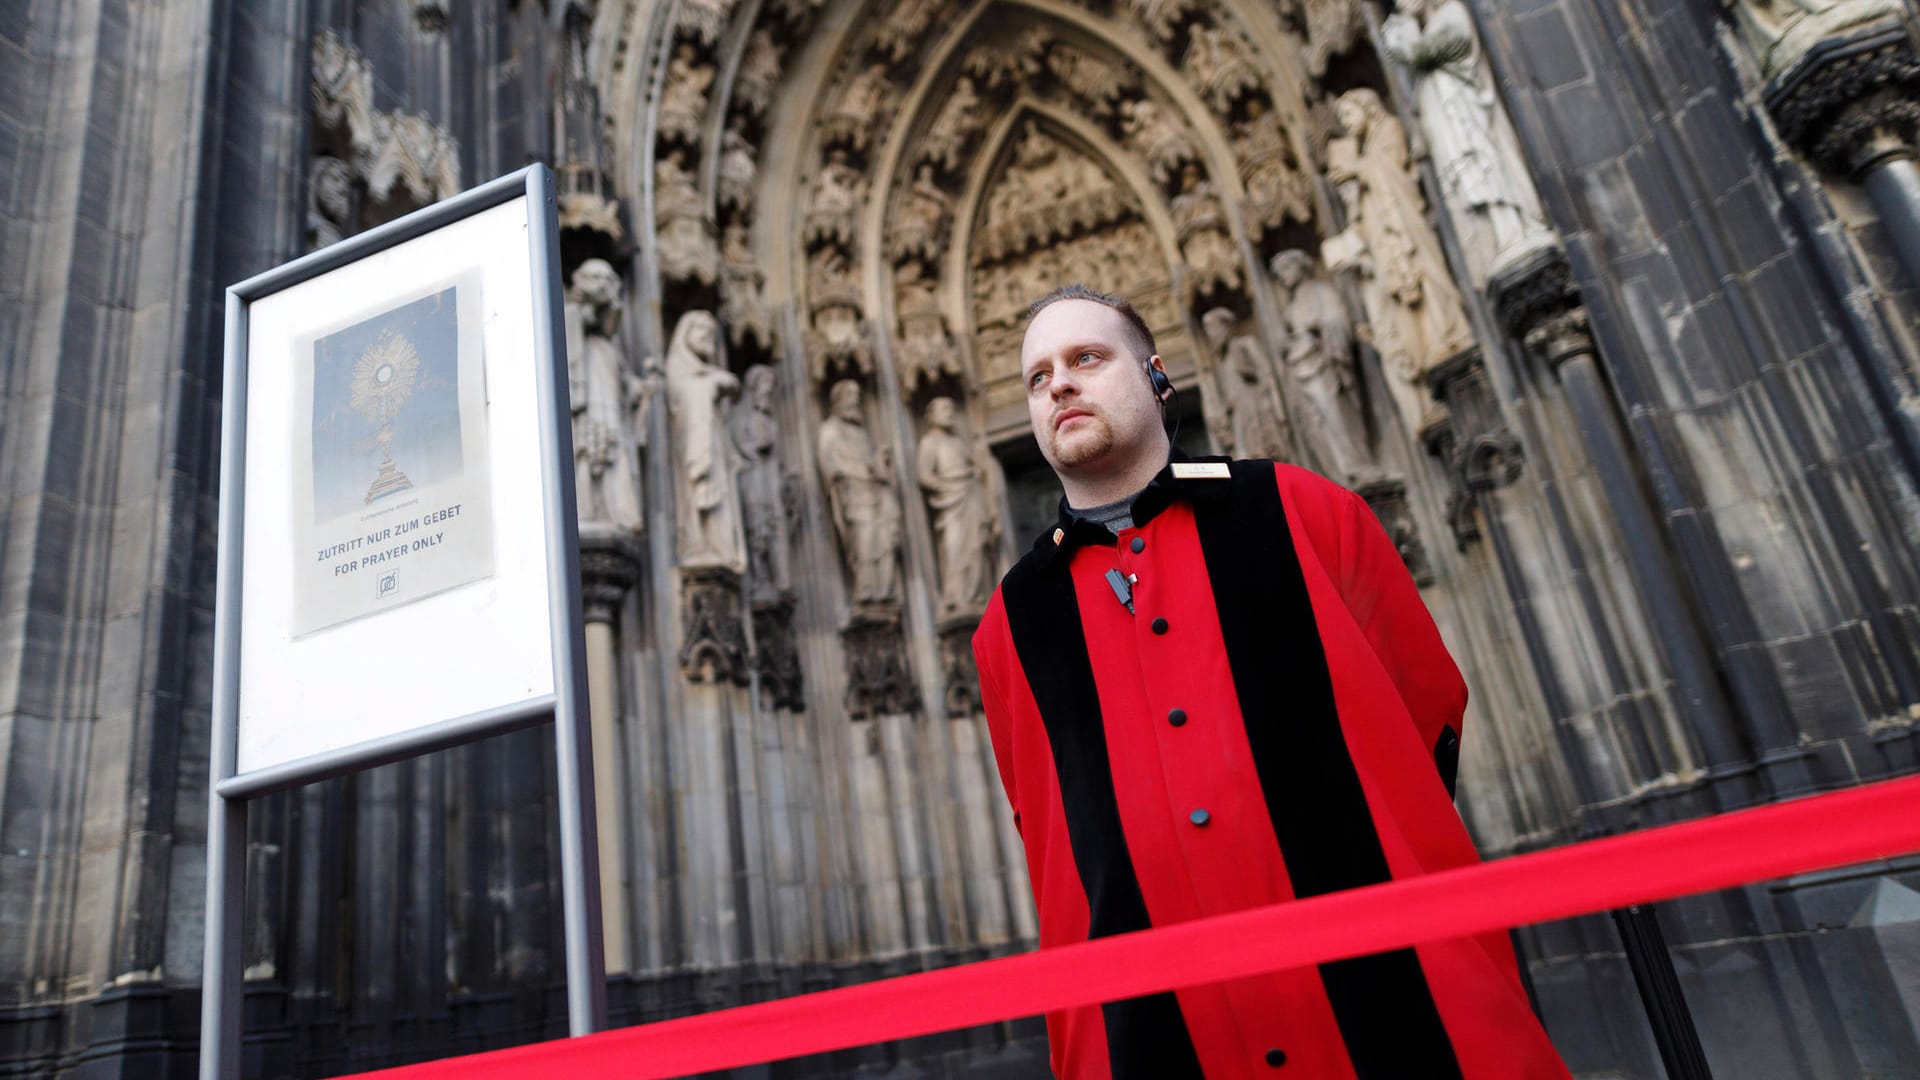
(1277, 717)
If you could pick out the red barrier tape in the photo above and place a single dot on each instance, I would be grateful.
(1858, 825)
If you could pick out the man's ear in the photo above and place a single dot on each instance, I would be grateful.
(1158, 377)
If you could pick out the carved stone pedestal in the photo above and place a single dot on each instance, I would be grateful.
(776, 656)
(961, 694)
(1388, 498)
(878, 679)
(1481, 453)
(713, 642)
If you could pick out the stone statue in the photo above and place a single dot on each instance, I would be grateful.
(1155, 133)
(685, 245)
(859, 106)
(1252, 429)
(836, 197)
(920, 218)
(706, 501)
(1413, 307)
(1278, 189)
(1781, 31)
(683, 101)
(737, 167)
(1320, 362)
(965, 528)
(901, 32)
(1330, 27)
(1482, 175)
(759, 72)
(957, 121)
(609, 401)
(1220, 65)
(858, 476)
(329, 202)
(763, 494)
(1202, 225)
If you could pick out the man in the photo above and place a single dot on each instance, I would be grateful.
(1213, 686)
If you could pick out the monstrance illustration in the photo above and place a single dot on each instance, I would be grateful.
(383, 379)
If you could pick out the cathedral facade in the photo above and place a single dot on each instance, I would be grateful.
(1607, 307)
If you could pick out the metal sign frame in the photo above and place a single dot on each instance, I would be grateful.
(221, 985)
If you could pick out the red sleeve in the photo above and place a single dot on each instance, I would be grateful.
(993, 701)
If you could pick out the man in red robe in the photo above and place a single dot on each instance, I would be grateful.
(1213, 686)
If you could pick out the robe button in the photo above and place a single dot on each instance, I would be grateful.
(1139, 545)
(1276, 1058)
(1177, 717)
(1199, 817)
(1159, 626)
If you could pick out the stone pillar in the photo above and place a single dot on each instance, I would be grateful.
(609, 566)
(708, 791)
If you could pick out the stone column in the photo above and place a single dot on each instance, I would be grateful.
(609, 566)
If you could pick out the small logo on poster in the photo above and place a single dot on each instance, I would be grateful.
(387, 584)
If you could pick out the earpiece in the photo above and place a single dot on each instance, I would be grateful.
(1162, 386)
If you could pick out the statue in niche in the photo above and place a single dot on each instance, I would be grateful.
(965, 529)
(330, 202)
(608, 400)
(1474, 150)
(759, 72)
(685, 245)
(737, 167)
(1781, 31)
(1202, 226)
(1251, 428)
(956, 123)
(683, 102)
(1278, 189)
(743, 308)
(858, 476)
(1319, 359)
(1220, 65)
(1413, 307)
(836, 198)
(706, 503)
(763, 490)
(925, 349)
(858, 108)
(920, 218)
(837, 339)
(1155, 133)
(1330, 27)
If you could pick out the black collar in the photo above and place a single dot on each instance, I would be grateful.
(1071, 531)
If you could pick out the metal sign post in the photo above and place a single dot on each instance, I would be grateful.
(235, 778)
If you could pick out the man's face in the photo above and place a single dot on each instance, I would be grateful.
(1088, 397)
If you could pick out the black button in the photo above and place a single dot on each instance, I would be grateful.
(1159, 626)
(1139, 545)
(1276, 1058)
(1199, 817)
(1176, 717)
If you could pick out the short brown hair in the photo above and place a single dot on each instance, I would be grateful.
(1077, 291)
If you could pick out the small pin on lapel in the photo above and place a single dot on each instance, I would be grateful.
(1059, 535)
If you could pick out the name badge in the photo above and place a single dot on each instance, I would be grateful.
(1201, 470)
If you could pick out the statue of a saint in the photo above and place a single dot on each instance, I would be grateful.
(965, 528)
(1320, 362)
(1253, 429)
(866, 510)
(707, 504)
(763, 494)
(609, 401)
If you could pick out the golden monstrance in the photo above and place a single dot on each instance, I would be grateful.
(383, 379)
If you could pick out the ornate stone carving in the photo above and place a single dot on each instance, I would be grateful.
(903, 30)
(1204, 240)
(430, 16)
(704, 19)
(1163, 18)
(858, 476)
(1125, 259)
(959, 676)
(1414, 311)
(1782, 32)
(1483, 176)
(1220, 65)
(388, 149)
(1528, 292)
(683, 101)
(706, 503)
(860, 104)
(343, 90)
(759, 73)
(764, 498)
(957, 122)
(737, 167)
(878, 682)
(684, 242)
(1278, 189)
(925, 349)
(1480, 451)
(776, 656)
(330, 202)
(1849, 102)
(837, 336)
(1048, 193)
(1250, 426)
(713, 642)
(837, 194)
(918, 229)
(743, 307)
(1100, 86)
(1388, 498)
(609, 566)
(966, 530)
(1320, 364)
(996, 66)
(609, 401)
(1329, 26)
(1154, 132)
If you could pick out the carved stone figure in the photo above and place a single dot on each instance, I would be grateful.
(925, 351)
(343, 90)
(1252, 428)
(900, 33)
(837, 335)
(608, 399)
(1204, 241)
(1781, 31)
(858, 475)
(743, 305)
(1330, 27)
(1220, 65)
(956, 123)
(1278, 189)
(919, 228)
(329, 202)
(1413, 307)
(1475, 152)
(1098, 84)
(763, 496)
(685, 245)
(683, 102)
(759, 72)
(704, 19)
(737, 167)
(706, 503)
(836, 198)
(965, 528)
(1162, 18)
(1155, 133)
(859, 106)
(411, 151)
(1319, 359)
